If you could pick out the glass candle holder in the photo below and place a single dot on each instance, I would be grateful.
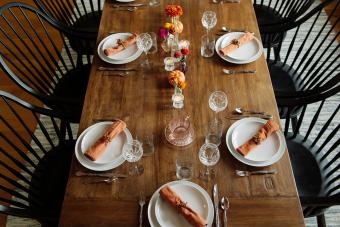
(178, 100)
(169, 64)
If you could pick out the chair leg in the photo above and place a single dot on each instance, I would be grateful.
(321, 220)
(294, 123)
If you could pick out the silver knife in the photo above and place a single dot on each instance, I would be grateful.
(81, 174)
(129, 5)
(216, 204)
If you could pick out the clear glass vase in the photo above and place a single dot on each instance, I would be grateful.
(175, 41)
(178, 98)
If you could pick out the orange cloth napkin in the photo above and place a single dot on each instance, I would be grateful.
(175, 201)
(264, 132)
(122, 44)
(237, 43)
(98, 148)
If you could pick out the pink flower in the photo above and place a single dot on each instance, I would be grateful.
(163, 33)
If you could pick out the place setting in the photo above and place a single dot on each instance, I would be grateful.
(123, 48)
(105, 146)
(236, 46)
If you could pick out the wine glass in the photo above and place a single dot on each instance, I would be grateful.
(209, 155)
(209, 20)
(132, 152)
(144, 43)
(218, 101)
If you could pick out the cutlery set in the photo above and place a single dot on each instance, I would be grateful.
(223, 204)
(110, 177)
(121, 72)
(240, 113)
(128, 7)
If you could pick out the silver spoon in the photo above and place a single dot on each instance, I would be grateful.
(225, 206)
(240, 110)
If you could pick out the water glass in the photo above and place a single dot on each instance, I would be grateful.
(146, 139)
(144, 43)
(169, 63)
(209, 20)
(208, 155)
(133, 152)
(214, 132)
(207, 46)
(154, 2)
(184, 167)
(218, 101)
(153, 48)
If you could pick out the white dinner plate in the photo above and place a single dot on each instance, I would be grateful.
(253, 162)
(245, 52)
(262, 152)
(235, 61)
(113, 151)
(110, 60)
(88, 163)
(112, 41)
(194, 194)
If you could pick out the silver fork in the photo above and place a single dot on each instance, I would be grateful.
(243, 173)
(108, 180)
(132, 9)
(141, 204)
(230, 72)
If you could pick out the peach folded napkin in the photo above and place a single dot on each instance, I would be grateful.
(264, 132)
(121, 45)
(236, 43)
(98, 148)
(175, 201)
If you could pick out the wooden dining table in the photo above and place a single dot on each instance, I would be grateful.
(143, 101)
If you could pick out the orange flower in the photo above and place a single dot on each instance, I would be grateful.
(182, 85)
(177, 78)
(174, 10)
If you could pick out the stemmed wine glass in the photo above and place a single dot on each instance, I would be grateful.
(209, 20)
(144, 43)
(209, 155)
(133, 152)
(218, 101)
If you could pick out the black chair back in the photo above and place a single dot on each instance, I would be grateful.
(35, 159)
(313, 145)
(311, 56)
(70, 12)
(36, 55)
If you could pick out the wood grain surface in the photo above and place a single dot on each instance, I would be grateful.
(143, 100)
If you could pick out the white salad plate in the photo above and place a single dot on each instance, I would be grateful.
(162, 214)
(253, 46)
(128, 55)
(87, 163)
(267, 153)
(114, 149)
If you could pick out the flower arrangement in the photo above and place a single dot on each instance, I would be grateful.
(174, 10)
(169, 31)
(182, 54)
(177, 79)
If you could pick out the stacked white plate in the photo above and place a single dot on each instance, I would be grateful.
(113, 155)
(246, 53)
(162, 214)
(267, 153)
(127, 55)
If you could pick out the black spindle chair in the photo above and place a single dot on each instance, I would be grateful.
(34, 164)
(313, 146)
(78, 15)
(272, 12)
(35, 53)
(311, 56)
